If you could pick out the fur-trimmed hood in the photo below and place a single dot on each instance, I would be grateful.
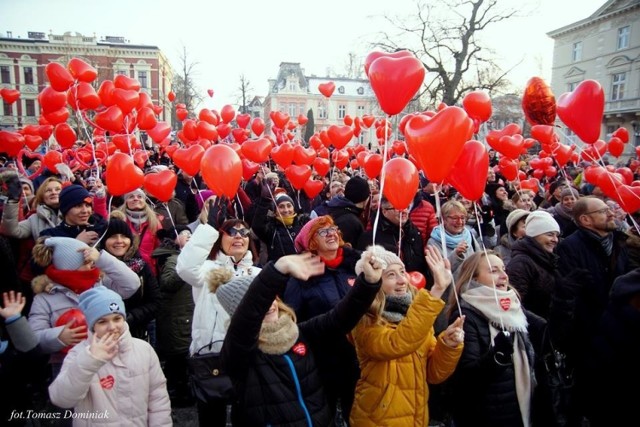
(40, 283)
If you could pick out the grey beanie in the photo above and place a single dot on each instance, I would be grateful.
(231, 293)
(540, 222)
(514, 217)
(386, 257)
(569, 191)
(67, 252)
(99, 302)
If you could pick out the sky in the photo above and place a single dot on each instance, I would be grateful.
(252, 37)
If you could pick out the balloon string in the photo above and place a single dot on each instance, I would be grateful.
(166, 206)
(88, 135)
(382, 179)
(108, 221)
(486, 256)
(277, 213)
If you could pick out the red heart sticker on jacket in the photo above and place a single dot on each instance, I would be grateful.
(505, 303)
(351, 281)
(107, 382)
(299, 349)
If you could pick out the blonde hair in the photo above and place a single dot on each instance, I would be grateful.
(373, 316)
(39, 198)
(41, 253)
(453, 205)
(152, 217)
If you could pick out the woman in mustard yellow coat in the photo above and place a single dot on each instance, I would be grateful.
(397, 349)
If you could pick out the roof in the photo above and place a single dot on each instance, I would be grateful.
(610, 9)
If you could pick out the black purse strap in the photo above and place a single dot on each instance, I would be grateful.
(212, 342)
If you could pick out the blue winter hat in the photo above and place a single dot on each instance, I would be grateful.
(73, 195)
(99, 302)
(67, 252)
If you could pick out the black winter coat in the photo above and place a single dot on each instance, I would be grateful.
(285, 390)
(484, 392)
(346, 215)
(533, 272)
(142, 307)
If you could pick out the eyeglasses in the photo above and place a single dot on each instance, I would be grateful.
(457, 218)
(233, 232)
(599, 211)
(391, 208)
(324, 232)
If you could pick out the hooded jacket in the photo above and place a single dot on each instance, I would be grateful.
(346, 216)
(44, 218)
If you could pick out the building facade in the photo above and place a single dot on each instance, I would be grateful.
(23, 62)
(294, 93)
(604, 47)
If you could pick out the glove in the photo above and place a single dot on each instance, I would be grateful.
(503, 348)
(14, 188)
(217, 212)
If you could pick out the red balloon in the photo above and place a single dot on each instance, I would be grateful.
(249, 169)
(243, 120)
(327, 89)
(321, 166)
(171, 96)
(477, 104)
(417, 279)
(10, 95)
(257, 150)
(65, 135)
(59, 78)
(161, 184)
(105, 92)
(224, 129)
(51, 100)
(372, 165)
(615, 146)
(340, 158)
(227, 113)
(469, 173)
(302, 119)
(303, 156)
(126, 99)
(582, 109)
(395, 81)
(539, 103)
(159, 132)
(111, 119)
(375, 55)
(82, 71)
(86, 96)
(210, 92)
(122, 175)
(57, 116)
(280, 119)
(189, 159)
(32, 141)
(125, 82)
(313, 188)
(400, 182)
(445, 134)
(340, 136)
(221, 161)
(140, 158)
(298, 175)
(73, 314)
(592, 174)
(146, 119)
(257, 126)
(621, 133)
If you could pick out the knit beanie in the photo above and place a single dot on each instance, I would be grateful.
(283, 197)
(540, 222)
(25, 180)
(514, 217)
(231, 293)
(67, 252)
(117, 226)
(99, 302)
(357, 189)
(133, 193)
(304, 235)
(569, 191)
(386, 257)
(73, 195)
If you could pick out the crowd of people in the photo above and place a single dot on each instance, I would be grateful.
(521, 308)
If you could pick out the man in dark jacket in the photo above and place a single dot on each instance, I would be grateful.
(185, 192)
(76, 206)
(346, 210)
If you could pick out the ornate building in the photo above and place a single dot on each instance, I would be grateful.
(294, 93)
(605, 47)
(22, 64)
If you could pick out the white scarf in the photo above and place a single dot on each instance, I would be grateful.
(503, 310)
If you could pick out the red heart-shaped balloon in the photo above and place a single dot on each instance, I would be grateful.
(249, 169)
(125, 82)
(304, 156)
(539, 103)
(340, 136)
(469, 173)
(257, 126)
(11, 142)
(400, 182)
(340, 158)
(32, 141)
(321, 166)
(280, 119)
(327, 88)
(82, 71)
(127, 100)
(122, 175)
(161, 184)
(615, 146)
(417, 279)
(51, 100)
(282, 155)
(445, 134)
(313, 188)
(376, 54)
(257, 150)
(298, 175)
(59, 77)
(395, 81)
(65, 135)
(221, 160)
(189, 159)
(372, 165)
(159, 132)
(112, 119)
(30, 155)
(243, 120)
(582, 109)
(224, 129)
(621, 133)
(302, 119)
(477, 104)
(140, 158)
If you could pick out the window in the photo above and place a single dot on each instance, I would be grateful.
(322, 110)
(576, 54)
(342, 111)
(360, 90)
(301, 108)
(6, 108)
(617, 87)
(572, 86)
(292, 84)
(121, 72)
(341, 90)
(623, 37)
(5, 75)
(360, 110)
(28, 75)
(292, 110)
(142, 79)
(30, 107)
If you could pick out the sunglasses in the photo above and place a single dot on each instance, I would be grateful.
(233, 232)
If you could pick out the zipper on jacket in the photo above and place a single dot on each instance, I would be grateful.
(298, 390)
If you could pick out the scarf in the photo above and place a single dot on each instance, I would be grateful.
(136, 264)
(76, 280)
(508, 313)
(563, 212)
(286, 220)
(452, 240)
(335, 262)
(279, 336)
(605, 241)
(396, 307)
(136, 217)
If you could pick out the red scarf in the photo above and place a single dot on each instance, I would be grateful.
(335, 262)
(76, 280)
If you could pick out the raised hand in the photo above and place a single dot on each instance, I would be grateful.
(90, 254)
(453, 336)
(300, 266)
(72, 336)
(440, 269)
(13, 303)
(371, 267)
(105, 347)
(88, 237)
(14, 187)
